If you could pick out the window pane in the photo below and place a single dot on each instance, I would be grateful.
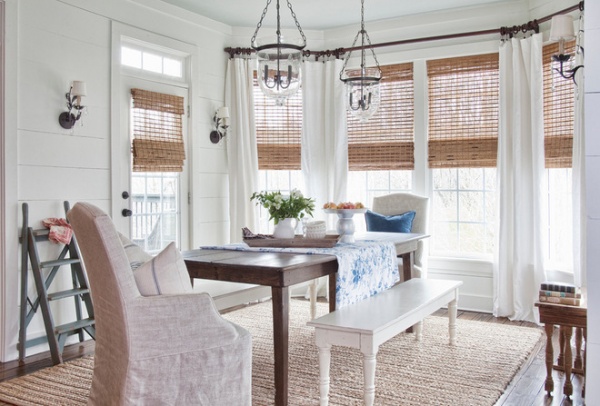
(445, 206)
(172, 67)
(471, 207)
(462, 196)
(131, 57)
(446, 178)
(152, 62)
(472, 238)
(379, 180)
(560, 208)
(446, 237)
(470, 178)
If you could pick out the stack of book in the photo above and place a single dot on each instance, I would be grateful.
(563, 293)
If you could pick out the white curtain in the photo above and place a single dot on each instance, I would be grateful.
(324, 136)
(242, 155)
(579, 210)
(518, 266)
(324, 140)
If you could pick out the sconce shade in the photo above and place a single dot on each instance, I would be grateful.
(562, 28)
(79, 88)
(223, 112)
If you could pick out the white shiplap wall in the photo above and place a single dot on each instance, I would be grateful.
(61, 41)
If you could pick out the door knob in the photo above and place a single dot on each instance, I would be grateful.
(126, 213)
(125, 195)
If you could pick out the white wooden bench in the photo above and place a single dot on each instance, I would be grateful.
(368, 324)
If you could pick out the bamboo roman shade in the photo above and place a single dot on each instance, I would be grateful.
(386, 140)
(558, 112)
(157, 132)
(278, 131)
(463, 111)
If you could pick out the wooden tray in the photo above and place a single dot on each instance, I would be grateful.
(298, 242)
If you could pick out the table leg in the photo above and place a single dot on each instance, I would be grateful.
(584, 361)
(408, 261)
(281, 315)
(549, 384)
(332, 286)
(568, 332)
(452, 312)
(578, 363)
(561, 350)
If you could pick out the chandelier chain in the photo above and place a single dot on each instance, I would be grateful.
(296, 21)
(262, 17)
(264, 13)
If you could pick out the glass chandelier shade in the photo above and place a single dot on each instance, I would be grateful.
(279, 70)
(362, 85)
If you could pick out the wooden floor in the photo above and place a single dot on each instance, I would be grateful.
(526, 389)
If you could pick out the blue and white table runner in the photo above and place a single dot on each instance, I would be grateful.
(365, 267)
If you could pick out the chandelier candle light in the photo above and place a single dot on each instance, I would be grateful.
(279, 60)
(362, 85)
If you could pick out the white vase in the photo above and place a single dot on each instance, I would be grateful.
(285, 228)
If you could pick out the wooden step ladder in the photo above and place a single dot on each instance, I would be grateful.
(44, 273)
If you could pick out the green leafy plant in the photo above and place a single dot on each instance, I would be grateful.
(282, 207)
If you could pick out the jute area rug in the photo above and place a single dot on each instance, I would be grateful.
(430, 372)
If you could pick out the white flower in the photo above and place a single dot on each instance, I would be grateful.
(295, 194)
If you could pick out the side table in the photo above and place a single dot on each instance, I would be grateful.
(566, 317)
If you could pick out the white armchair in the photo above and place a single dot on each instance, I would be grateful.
(398, 203)
(170, 349)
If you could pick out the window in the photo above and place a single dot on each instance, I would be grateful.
(463, 142)
(147, 60)
(386, 141)
(278, 137)
(278, 131)
(381, 150)
(558, 144)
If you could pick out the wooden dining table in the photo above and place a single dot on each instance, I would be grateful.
(280, 270)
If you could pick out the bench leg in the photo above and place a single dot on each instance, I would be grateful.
(452, 310)
(369, 362)
(324, 362)
(419, 330)
(312, 294)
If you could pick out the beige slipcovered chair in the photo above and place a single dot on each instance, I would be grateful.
(398, 203)
(156, 350)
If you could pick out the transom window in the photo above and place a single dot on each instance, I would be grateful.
(152, 61)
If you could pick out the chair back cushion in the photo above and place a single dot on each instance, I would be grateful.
(164, 274)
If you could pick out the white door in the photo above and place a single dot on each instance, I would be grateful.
(154, 203)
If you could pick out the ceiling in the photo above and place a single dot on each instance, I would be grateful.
(315, 14)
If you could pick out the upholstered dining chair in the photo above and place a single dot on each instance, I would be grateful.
(167, 349)
(399, 203)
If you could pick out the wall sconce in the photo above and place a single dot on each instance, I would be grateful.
(68, 119)
(561, 30)
(220, 118)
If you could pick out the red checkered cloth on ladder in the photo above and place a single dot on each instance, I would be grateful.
(60, 230)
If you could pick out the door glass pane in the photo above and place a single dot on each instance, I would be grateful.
(155, 207)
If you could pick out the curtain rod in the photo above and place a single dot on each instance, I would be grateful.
(510, 31)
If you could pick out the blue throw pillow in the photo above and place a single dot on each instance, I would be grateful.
(400, 223)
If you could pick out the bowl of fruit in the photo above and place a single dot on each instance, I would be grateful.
(345, 211)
